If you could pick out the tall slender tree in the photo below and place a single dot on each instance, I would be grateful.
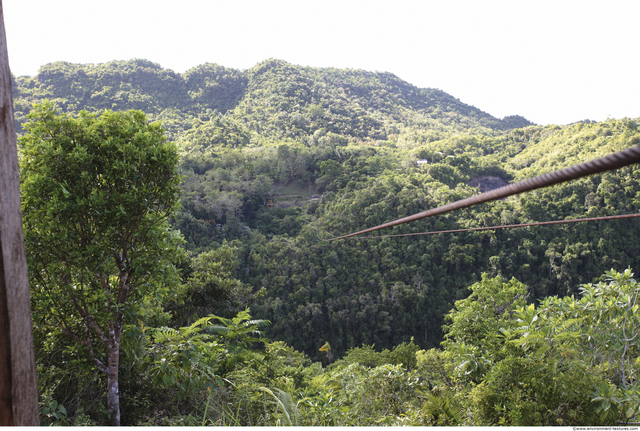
(97, 192)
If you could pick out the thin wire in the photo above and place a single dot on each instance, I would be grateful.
(607, 163)
(542, 223)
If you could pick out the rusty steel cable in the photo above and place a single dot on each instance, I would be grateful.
(607, 163)
(540, 223)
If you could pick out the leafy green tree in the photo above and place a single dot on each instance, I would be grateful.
(567, 347)
(601, 328)
(97, 191)
(474, 333)
(534, 391)
(611, 324)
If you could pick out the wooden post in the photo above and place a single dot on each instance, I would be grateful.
(18, 390)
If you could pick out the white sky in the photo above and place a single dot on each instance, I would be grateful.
(551, 61)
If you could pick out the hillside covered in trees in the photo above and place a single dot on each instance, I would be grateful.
(275, 160)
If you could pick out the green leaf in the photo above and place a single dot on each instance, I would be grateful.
(166, 379)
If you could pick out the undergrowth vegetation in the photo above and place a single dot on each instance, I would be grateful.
(503, 363)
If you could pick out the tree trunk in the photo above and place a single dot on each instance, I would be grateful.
(113, 392)
(18, 390)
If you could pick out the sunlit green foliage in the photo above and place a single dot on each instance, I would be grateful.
(278, 158)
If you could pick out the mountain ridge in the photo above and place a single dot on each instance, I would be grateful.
(145, 85)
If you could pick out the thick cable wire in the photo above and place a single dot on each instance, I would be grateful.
(607, 163)
(541, 223)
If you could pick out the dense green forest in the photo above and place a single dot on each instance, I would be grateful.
(261, 167)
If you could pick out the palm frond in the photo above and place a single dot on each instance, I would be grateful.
(163, 334)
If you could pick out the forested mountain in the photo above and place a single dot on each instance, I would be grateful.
(298, 100)
(283, 133)
(279, 158)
